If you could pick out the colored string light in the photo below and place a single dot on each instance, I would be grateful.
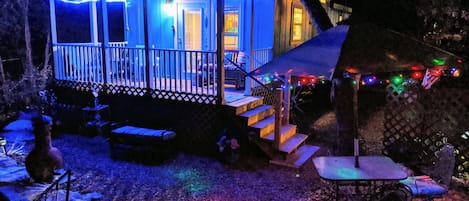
(417, 75)
(438, 62)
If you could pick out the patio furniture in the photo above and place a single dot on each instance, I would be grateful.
(140, 144)
(365, 182)
(3, 142)
(435, 182)
(207, 72)
(95, 120)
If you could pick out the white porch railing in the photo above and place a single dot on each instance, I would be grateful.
(261, 56)
(184, 71)
(78, 62)
(179, 71)
(118, 44)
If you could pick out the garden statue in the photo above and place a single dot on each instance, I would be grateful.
(44, 158)
(228, 146)
(96, 95)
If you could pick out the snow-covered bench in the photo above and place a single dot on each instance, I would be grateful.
(142, 144)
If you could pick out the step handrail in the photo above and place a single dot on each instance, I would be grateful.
(238, 67)
(278, 102)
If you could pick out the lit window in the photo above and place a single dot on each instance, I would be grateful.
(297, 25)
(231, 29)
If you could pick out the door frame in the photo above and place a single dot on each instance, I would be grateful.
(202, 7)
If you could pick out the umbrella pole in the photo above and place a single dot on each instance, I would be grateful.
(356, 147)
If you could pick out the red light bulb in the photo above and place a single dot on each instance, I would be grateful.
(417, 75)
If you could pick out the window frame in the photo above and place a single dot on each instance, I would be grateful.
(295, 25)
(232, 34)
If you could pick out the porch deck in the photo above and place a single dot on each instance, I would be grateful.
(170, 74)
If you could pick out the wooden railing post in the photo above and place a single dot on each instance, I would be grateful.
(220, 52)
(104, 43)
(278, 95)
(147, 50)
(286, 100)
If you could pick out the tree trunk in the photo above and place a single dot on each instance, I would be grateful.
(27, 40)
(30, 82)
(318, 14)
(345, 109)
(46, 50)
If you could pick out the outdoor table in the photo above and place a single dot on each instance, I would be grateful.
(341, 171)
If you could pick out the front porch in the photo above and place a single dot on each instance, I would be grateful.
(182, 78)
(181, 73)
(168, 47)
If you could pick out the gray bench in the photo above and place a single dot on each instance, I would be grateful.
(142, 144)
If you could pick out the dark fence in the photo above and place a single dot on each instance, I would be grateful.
(197, 125)
(52, 191)
(418, 121)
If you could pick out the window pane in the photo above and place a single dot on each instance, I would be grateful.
(296, 33)
(297, 16)
(231, 42)
(231, 21)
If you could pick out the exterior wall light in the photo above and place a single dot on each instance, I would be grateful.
(169, 8)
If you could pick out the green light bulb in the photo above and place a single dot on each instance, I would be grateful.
(438, 62)
(397, 80)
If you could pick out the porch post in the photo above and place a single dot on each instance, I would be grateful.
(53, 32)
(220, 52)
(104, 43)
(147, 50)
(93, 22)
(286, 100)
(250, 64)
(278, 96)
(53, 24)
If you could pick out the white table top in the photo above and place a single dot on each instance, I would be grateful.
(342, 168)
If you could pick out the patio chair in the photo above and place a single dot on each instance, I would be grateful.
(3, 143)
(437, 178)
(395, 192)
(233, 75)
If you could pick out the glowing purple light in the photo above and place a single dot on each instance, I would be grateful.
(370, 80)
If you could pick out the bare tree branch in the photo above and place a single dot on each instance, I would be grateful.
(318, 14)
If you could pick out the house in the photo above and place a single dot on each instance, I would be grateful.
(338, 10)
(156, 63)
(293, 25)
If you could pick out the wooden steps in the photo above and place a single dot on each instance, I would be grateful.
(265, 126)
(245, 104)
(292, 143)
(256, 114)
(299, 157)
(286, 132)
(259, 118)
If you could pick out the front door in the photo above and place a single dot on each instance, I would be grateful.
(191, 28)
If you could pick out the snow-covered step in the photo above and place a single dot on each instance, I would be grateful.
(299, 157)
(286, 132)
(257, 114)
(245, 104)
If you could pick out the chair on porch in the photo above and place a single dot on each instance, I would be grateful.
(233, 75)
(437, 177)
